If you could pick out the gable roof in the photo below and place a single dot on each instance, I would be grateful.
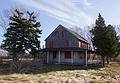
(76, 35)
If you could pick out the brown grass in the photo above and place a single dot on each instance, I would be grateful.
(61, 74)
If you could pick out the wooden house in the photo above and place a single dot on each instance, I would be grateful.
(65, 46)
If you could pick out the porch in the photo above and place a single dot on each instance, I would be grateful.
(76, 56)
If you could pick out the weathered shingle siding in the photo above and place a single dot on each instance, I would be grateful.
(60, 35)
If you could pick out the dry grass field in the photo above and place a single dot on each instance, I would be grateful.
(65, 74)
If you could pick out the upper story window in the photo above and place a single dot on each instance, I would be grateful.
(50, 44)
(79, 44)
(66, 43)
(84, 45)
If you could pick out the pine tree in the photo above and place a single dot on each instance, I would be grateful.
(32, 35)
(22, 35)
(104, 39)
(112, 43)
(98, 36)
(13, 36)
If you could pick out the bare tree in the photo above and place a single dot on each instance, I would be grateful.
(117, 28)
(85, 32)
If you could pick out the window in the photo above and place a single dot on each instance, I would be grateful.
(67, 55)
(66, 43)
(54, 54)
(84, 45)
(79, 44)
(50, 44)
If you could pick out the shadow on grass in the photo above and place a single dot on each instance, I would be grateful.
(37, 68)
(63, 67)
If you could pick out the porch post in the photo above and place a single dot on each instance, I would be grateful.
(47, 57)
(86, 58)
(72, 60)
(59, 57)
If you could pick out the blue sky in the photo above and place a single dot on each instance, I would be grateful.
(70, 13)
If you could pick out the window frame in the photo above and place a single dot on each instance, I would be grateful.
(67, 55)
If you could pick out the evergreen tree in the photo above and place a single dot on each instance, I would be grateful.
(98, 36)
(112, 43)
(104, 39)
(13, 37)
(23, 34)
(32, 35)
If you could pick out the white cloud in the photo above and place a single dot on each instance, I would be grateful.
(85, 2)
(64, 10)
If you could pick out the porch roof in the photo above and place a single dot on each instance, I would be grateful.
(67, 49)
